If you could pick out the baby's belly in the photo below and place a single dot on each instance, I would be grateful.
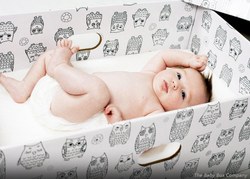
(130, 92)
(129, 110)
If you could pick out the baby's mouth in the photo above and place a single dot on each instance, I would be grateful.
(165, 86)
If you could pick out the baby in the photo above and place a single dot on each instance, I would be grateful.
(171, 80)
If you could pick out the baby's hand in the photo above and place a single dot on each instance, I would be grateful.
(198, 62)
(112, 114)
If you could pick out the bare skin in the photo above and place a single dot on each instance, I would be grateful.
(120, 95)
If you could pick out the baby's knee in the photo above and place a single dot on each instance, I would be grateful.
(102, 93)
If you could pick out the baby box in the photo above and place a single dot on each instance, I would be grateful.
(214, 137)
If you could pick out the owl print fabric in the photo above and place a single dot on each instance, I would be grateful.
(214, 137)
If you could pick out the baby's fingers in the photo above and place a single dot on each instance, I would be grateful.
(200, 63)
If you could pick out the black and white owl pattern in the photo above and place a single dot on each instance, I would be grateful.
(225, 137)
(244, 85)
(33, 156)
(238, 109)
(235, 48)
(140, 17)
(216, 159)
(206, 21)
(111, 47)
(93, 20)
(201, 142)
(145, 139)
(169, 164)
(134, 45)
(165, 13)
(2, 165)
(181, 124)
(142, 172)
(173, 46)
(98, 167)
(195, 45)
(220, 38)
(82, 55)
(7, 61)
(74, 148)
(190, 168)
(226, 74)
(37, 25)
(184, 24)
(245, 130)
(211, 114)
(125, 163)
(69, 174)
(7, 32)
(212, 60)
(34, 51)
(160, 36)
(63, 33)
(118, 22)
(235, 162)
(120, 134)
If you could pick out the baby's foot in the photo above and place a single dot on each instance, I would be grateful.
(61, 55)
(17, 89)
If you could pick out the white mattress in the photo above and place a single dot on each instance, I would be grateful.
(17, 125)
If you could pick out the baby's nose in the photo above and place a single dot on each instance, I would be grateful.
(175, 85)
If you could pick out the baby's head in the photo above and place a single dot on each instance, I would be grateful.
(182, 87)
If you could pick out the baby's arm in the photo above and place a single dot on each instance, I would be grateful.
(175, 58)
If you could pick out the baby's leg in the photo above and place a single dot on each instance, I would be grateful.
(61, 55)
(82, 94)
(21, 90)
(79, 108)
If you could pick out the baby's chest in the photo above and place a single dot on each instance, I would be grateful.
(136, 104)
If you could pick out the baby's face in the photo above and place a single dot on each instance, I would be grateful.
(179, 87)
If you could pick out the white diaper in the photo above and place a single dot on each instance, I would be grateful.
(40, 101)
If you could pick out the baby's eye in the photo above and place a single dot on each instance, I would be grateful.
(178, 75)
(183, 94)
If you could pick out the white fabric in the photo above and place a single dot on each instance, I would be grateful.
(40, 101)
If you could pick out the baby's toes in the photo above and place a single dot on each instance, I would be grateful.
(58, 43)
(62, 43)
(67, 43)
(74, 49)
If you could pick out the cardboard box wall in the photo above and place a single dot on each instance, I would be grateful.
(218, 129)
(237, 8)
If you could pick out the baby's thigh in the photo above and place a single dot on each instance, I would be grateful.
(78, 108)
